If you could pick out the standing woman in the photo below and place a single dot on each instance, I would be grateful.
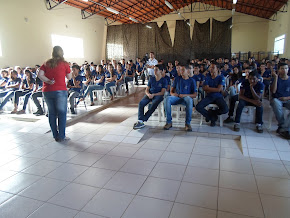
(53, 74)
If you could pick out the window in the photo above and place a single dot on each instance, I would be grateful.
(72, 47)
(114, 51)
(279, 44)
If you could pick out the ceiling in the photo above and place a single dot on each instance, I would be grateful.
(145, 11)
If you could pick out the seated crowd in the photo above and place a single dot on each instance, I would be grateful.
(199, 84)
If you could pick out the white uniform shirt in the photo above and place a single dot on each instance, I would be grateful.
(150, 62)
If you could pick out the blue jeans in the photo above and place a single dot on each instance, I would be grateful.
(277, 106)
(7, 95)
(220, 102)
(36, 102)
(128, 79)
(57, 107)
(173, 100)
(90, 90)
(242, 104)
(108, 85)
(145, 100)
(25, 93)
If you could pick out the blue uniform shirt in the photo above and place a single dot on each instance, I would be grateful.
(71, 82)
(173, 72)
(283, 88)
(183, 86)
(14, 82)
(98, 77)
(259, 88)
(214, 83)
(26, 83)
(156, 86)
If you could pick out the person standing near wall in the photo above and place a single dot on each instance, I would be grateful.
(53, 74)
(150, 65)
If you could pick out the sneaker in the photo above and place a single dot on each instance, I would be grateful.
(188, 128)
(237, 127)
(38, 112)
(229, 120)
(92, 104)
(285, 134)
(72, 111)
(66, 139)
(20, 112)
(167, 126)
(259, 128)
(13, 112)
(139, 125)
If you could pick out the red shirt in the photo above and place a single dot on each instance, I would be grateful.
(58, 74)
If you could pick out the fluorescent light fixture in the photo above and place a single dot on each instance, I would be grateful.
(235, 2)
(188, 24)
(133, 19)
(148, 26)
(231, 26)
(180, 15)
(112, 10)
(168, 5)
(85, 0)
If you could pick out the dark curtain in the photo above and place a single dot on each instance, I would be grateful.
(114, 36)
(201, 40)
(130, 41)
(163, 43)
(146, 39)
(182, 42)
(221, 39)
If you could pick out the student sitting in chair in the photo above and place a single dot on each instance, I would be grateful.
(250, 95)
(154, 93)
(120, 76)
(111, 77)
(4, 79)
(27, 88)
(213, 86)
(129, 75)
(10, 88)
(37, 93)
(182, 91)
(281, 98)
(75, 86)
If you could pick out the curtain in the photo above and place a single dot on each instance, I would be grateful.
(201, 40)
(130, 41)
(182, 42)
(221, 39)
(146, 39)
(163, 43)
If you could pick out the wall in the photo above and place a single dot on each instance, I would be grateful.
(278, 28)
(29, 43)
(249, 33)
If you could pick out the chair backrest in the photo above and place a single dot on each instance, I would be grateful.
(239, 87)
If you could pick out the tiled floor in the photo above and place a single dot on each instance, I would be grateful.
(167, 174)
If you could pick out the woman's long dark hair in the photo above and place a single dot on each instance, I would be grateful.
(57, 56)
(102, 69)
(29, 79)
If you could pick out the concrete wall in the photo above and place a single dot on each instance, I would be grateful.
(26, 28)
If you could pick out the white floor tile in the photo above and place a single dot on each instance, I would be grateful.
(168, 171)
(18, 182)
(222, 214)
(270, 169)
(180, 147)
(277, 207)
(234, 153)
(86, 215)
(160, 188)
(244, 203)
(238, 181)
(284, 155)
(111, 162)
(273, 186)
(4, 196)
(204, 161)
(208, 141)
(95, 177)
(67, 172)
(207, 150)
(156, 145)
(42, 168)
(201, 176)
(143, 207)
(50, 210)
(187, 211)
(198, 195)
(148, 154)
(85, 158)
(184, 139)
(236, 165)
(43, 189)
(267, 154)
(126, 182)
(18, 207)
(20, 164)
(123, 151)
(136, 166)
(175, 158)
(62, 155)
(113, 138)
(101, 148)
(5, 174)
(131, 140)
(109, 203)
